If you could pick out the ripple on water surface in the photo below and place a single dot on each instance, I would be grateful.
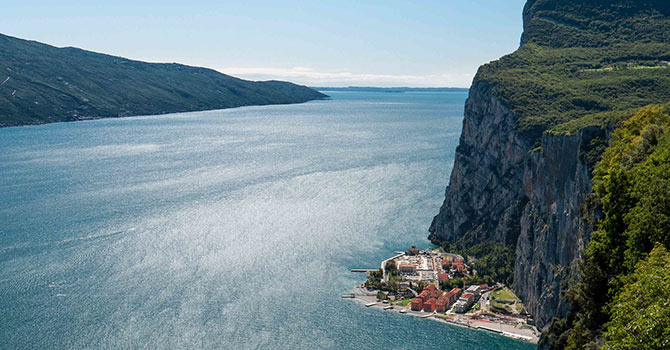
(225, 229)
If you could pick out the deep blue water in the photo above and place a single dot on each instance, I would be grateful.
(231, 229)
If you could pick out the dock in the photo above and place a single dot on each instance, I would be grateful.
(364, 270)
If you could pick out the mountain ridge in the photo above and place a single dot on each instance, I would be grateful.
(44, 84)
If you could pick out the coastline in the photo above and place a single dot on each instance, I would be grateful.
(459, 320)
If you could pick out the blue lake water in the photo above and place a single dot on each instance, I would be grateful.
(231, 229)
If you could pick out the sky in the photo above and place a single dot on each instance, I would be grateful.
(438, 43)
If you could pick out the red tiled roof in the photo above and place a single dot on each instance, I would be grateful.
(429, 305)
(443, 276)
(417, 304)
(453, 292)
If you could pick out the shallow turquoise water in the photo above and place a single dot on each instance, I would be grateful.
(229, 229)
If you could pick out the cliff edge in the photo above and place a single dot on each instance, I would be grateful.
(536, 122)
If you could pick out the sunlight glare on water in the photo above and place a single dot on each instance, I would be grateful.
(231, 229)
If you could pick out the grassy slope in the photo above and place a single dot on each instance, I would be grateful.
(582, 60)
(49, 84)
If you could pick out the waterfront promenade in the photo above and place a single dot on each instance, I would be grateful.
(517, 331)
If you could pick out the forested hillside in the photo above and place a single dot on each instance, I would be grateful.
(563, 160)
(42, 84)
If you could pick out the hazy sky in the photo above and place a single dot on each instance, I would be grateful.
(333, 43)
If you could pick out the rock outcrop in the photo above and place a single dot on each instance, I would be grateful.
(503, 189)
(556, 184)
(522, 174)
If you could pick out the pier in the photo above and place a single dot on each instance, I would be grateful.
(363, 270)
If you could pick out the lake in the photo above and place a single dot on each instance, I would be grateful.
(231, 229)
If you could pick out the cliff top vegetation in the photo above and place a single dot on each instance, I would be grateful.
(579, 60)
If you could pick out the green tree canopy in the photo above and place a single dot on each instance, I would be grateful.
(641, 314)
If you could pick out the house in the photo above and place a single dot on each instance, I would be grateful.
(464, 302)
(407, 268)
(436, 293)
(417, 304)
(413, 251)
(461, 267)
(453, 295)
(473, 289)
(429, 305)
(442, 303)
(443, 277)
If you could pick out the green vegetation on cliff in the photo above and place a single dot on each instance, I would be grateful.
(641, 312)
(43, 84)
(602, 63)
(595, 23)
(580, 59)
(493, 261)
(631, 211)
(551, 87)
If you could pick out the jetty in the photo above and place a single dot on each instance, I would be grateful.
(363, 270)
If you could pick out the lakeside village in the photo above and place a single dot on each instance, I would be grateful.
(430, 284)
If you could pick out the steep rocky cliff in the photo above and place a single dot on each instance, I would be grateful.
(503, 190)
(533, 128)
(556, 182)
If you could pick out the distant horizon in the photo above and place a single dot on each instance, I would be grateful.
(237, 76)
(389, 87)
(376, 43)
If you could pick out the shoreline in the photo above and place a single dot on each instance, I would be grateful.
(460, 320)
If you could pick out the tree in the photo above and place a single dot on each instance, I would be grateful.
(641, 313)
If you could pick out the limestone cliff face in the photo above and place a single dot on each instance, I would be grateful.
(506, 189)
(485, 197)
(552, 231)
(526, 190)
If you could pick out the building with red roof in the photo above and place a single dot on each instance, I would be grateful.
(417, 304)
(429, 305)
(442, 303)
(436, 293)
(413, 251)
(460, 267)
(453, 295)
(443, 277)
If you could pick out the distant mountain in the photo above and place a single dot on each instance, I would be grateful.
(389, 89)
(41, 84)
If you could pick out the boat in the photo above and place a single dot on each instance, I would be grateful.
(370, 304)
(403, 311)
(388, 307)
(348, 296)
